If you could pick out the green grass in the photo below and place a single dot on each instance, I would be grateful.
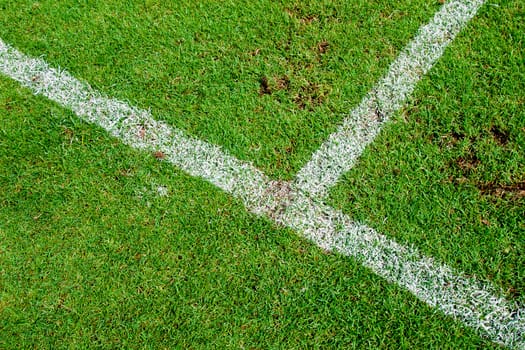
(91, 255)
(449, 173)
(195, 64)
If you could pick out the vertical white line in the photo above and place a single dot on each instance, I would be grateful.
(341, 150)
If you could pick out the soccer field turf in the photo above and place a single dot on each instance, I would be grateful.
(102, 245)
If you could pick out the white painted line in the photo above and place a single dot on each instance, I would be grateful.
(474, 303)
(437, 285)
(341, 150)
(136, 127)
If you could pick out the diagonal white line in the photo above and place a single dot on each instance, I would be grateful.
(476, 304)
(341, 150)
(136, 127)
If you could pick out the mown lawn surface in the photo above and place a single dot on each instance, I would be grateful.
(104, 246)
(448, 174)
(202, 65)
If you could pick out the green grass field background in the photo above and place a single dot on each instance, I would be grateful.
(93, 255)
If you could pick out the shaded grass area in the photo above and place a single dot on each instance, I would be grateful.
(93, 254)
(266, 80)
(448, 175)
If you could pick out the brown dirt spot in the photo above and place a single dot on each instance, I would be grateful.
(69, 133)
(310, 96)
(282, 83)
(323, 46)
(268, 86)
(456, 136)
(159, 155)
(451, 139)
(500, 136)
(468, 163)
(514, 292)
(141, 132)
(281, 195)
(308, 19)
(264, 86)
(298, 15)
(516, 190)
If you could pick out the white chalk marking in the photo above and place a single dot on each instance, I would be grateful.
(136, 127)
(476, 304)
(340, 151)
